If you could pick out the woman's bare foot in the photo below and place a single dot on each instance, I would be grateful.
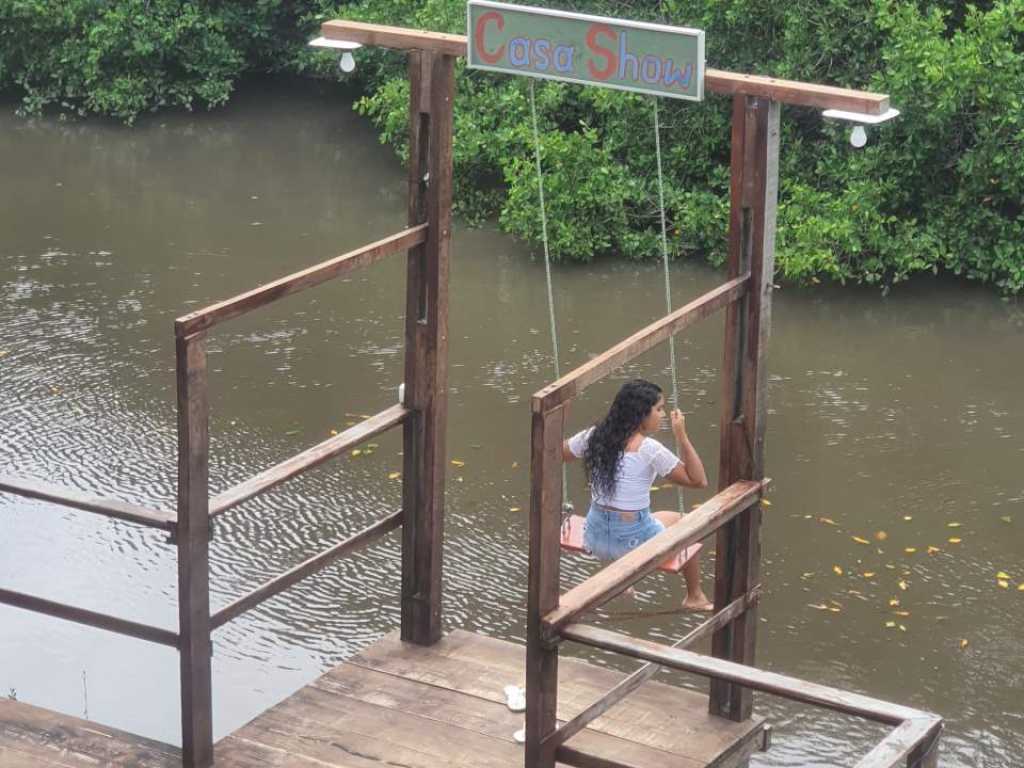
(698, 602)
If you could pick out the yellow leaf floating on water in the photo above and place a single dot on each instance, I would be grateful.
(514, 509)
(835, 609)
(964, 643)
(903, 585)
(910, 550)
(515, 464)
(860, 540)
(891, 624)
(334, 432)
(1020, 587)
(817, 607)
(766, 502)
(881, 535)
(394, 475)
(458, 463)
(908, 518)
(952, 525)
(954, 540)
(893, 602)
(902, 628)
(902, 613)
(1002, 575)
(356, 452)
(826, 520)
(1006, 519)
(933, 550)
(868, 574)
(837, 570)
(1003, 584)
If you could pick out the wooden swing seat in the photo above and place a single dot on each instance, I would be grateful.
(572, 541)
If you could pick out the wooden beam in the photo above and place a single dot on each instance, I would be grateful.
(898, 747)
(647, 671)
(308, 459)
(34, 489)
(787, 687)
(592, 371)
(754, 196)
(398, 38)
(634, 565)
(431, 101)
(306, 568)
(205, 318)
(90, 618)
(715, 80)
(193, 553)
(543, 586)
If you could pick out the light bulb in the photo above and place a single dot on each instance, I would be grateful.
(858, 136)
(348, 62)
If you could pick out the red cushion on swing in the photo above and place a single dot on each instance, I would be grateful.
(572, 541)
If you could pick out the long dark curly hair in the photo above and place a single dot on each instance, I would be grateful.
(608, 440)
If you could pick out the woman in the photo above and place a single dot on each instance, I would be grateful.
(621, 463)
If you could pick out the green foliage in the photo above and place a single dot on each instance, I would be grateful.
(939, 189)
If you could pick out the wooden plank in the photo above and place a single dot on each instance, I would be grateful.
(394, 37)
(193, 553)
(432, 96)
(647, 671)
(573, 383)
(236, 752)
(754, 196)
(670, 719)
(451, 709)
(633, 566)
(203, 319)
(543, 584)
(308, 459)
(897, 748)
(33, 736)
(306, 568)
(132, 513)
(89, 618)
(750, 677)
(715, 80)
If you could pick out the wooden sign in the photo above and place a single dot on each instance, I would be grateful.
(592, 50)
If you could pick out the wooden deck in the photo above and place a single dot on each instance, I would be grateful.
(408, 706)
(32, 737)
(423, 707)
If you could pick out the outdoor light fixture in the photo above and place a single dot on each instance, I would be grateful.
(859, 136)
(348, 61)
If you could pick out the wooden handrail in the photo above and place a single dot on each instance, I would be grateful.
(574, 382)
(201, 319)
(309, 458)
(34, 489)
(899, 746)
(647, 671)
(90, 618)
(715, 80)
(304, 569)
(634, 565)
(750, 677)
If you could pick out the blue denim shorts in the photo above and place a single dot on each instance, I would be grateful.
(607, 537)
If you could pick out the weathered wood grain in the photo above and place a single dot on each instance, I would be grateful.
(899, 747)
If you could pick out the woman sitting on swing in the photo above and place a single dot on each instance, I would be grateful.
(621, 463)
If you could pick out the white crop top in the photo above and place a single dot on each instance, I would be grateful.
(637, 471)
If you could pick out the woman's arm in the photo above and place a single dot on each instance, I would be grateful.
(567, 455)
(689, 473)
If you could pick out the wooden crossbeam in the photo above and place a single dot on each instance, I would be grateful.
(715, 80)
(308, 459)
(636, 564)
(34, 489)
(201, 319)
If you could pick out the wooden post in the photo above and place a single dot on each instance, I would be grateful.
(193, 538)
(543, 589)
(432, 89)
(754, 193)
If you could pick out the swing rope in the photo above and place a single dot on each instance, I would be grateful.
(668, 283)
(567, 506)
